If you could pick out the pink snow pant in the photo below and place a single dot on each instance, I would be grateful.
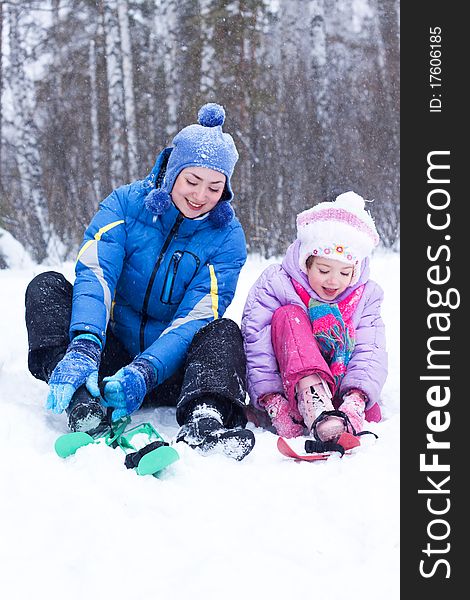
(298, 354)
(296, 349)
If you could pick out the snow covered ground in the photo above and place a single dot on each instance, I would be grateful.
(208, 527)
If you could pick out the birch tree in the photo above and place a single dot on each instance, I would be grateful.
(95, 140)
(165, 27)
(208, 68)
(152, 83)
(188, 67)
(119, 166)
(317, 71)
(128, 84)
(31, 203)
(386, 23)
(1, 96)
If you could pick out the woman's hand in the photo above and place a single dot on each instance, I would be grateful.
(79, 366)
(125, 391)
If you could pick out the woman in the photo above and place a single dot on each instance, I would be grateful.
(157, 269)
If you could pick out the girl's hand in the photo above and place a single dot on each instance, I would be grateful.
(286, 420)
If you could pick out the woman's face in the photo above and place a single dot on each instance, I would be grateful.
(197, 190)
(329, 278)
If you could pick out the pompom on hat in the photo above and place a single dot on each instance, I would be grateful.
(341, 230)
(200, 145)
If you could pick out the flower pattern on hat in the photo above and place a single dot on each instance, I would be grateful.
(330, 250)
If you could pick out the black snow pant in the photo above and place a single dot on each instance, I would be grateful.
(214, 369)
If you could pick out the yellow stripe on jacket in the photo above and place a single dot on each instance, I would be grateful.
(97, 236)
(214, 292)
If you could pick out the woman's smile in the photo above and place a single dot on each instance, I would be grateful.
(193, 204)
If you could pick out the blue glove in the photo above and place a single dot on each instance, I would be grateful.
(125, 391)
(79, 366)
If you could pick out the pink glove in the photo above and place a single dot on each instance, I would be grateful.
(354, 404)
(282, 415)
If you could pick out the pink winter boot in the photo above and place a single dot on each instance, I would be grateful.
(314, 398)
(353, 407)
(282, 416)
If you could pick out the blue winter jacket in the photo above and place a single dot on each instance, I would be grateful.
(155, 279)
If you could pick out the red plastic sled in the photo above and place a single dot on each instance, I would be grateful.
(347, 440)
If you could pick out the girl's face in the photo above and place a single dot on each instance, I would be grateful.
(197, 190)
(328, 277)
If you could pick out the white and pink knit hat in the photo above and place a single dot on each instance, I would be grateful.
(341, 230)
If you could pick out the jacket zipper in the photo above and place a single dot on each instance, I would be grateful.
(143, 323)
(168, 289)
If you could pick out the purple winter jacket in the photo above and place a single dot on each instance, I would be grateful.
(367, 368)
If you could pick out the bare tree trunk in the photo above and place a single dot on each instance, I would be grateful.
(1, 95)
(318, 77)
(95, 138)
(167, 45)
(117, 123)
(104, 118)
(128, 82)
(207, 59)
(32, 199)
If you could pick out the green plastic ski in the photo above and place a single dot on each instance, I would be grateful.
(145, 449)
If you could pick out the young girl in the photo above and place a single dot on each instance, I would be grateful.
(312, 329)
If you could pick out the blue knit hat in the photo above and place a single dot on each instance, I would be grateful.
(200, 145)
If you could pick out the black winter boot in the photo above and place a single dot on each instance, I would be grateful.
(205, 431)
(85, 412)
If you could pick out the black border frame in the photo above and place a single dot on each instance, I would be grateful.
(423, 132)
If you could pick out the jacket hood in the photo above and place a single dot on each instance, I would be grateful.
(291, 266)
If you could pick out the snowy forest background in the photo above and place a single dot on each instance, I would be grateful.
(91, 91)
